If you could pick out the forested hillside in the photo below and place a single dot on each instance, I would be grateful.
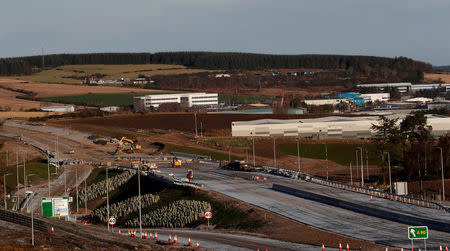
(408, 69)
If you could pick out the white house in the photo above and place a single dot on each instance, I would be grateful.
(190, 99)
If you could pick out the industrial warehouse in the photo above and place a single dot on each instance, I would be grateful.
(189, 99)
(327, 127)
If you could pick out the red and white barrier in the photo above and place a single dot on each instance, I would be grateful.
(198, 244)
(387, 248)
(151, 236)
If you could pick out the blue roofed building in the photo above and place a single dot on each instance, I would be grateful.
(356, 98)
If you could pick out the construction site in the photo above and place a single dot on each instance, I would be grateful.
(139, 191)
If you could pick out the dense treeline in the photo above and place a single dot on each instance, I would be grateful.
(219, 60)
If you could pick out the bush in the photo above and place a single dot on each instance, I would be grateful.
(177, 214)
(99, 189)
(124, 207)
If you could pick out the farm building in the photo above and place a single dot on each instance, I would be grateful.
(327, 127)
(110, 109)
(326, 101)
(190, 99)
(401, 87)
(66, 108)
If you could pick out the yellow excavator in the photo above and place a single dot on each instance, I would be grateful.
(130, 144)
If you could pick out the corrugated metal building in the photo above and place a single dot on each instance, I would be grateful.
(327, 127)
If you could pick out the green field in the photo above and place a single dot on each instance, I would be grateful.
(73, 74)
(98, 99)
(192, 150)
(231, 98)
(341, 153)
(38, 167)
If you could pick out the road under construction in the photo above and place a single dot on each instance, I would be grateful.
(241, 186)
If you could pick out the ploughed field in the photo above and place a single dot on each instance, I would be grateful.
(210, 123)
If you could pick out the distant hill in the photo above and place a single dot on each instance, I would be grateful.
(442, 68)
(408, 69)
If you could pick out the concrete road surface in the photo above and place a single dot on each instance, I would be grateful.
(316, 214)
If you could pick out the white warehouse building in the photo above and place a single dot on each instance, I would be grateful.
(326, 101)
(190, 99)
(65, 108)
(327, 127)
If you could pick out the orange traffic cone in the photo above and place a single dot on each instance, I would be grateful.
(340, 246)
(151, 236)
(175, 239)
(323, 247)
(53, 230)
(189, 242)
(440, 246)
(446, 248)
(170, 238)
(348, 248)
(156, 235)
(371, 198)
(198, 244)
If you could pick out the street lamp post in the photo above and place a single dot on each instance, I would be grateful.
(274, 154)
(140, 202)
(32, 215)
(351, 175)
(17, 172)
(298, 153)
(390, 178)
(85, 196)
(362, 166)
(254, 159)
(195, 122)
(48, 171)
(4, 188)
(356, 161)
(442, 173)
(326, 157)
(76, 184)
(107, 199)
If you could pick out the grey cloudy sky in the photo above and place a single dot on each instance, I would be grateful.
(419, 29)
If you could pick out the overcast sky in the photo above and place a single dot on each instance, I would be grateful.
(419, 29)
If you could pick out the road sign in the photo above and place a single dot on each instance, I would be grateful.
(208, 215)
(112, 221)
(55, 206)
(418, 232)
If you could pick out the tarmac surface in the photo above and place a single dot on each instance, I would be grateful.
(239, 185)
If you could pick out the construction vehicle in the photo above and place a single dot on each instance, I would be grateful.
(176, 162)
(148, 166)
(190, 175)
(127, 145)
(71, 151)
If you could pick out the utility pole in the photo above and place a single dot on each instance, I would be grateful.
(246, 155)
(107, 198)
(274, 154)
(43, 65)
(254, 160)
(65, 179)
(442, 172)
(390, 179)
(326, 157)
(229, 154)
(140, 202)
(298, 153)
(201, 129)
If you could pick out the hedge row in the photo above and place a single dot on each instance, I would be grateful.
(177, 214)
(124, 207)
(99, 189)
